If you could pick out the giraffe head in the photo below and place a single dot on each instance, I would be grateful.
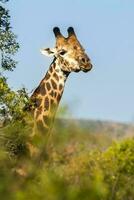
(68, 52)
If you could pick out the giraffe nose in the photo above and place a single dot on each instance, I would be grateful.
(87, 66)
(87, 69)
(83, 60)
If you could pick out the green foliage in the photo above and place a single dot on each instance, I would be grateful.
(8, 44)
(78, 166)
(119, 159)
(11, 102)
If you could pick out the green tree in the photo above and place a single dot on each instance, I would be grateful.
(8, 43)
(11, 102)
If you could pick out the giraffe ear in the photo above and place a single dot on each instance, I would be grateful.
(48, 52)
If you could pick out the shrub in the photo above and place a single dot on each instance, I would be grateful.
(72, 171)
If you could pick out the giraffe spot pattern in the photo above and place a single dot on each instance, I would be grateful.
(48, 86)
(53, 66)
(52, 93)
(53, 84)
(75, 47)
(65, 64)
(55, 94)
(38, 102)
(37, 90)
(52, 101)
(46, 104)
(42, 89)
(56, 77)
(57, 70)
(58, 97)
(47, 76)
(60, 87)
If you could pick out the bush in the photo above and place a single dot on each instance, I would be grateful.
(73, 170)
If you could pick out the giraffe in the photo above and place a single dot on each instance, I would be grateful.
(69, 56)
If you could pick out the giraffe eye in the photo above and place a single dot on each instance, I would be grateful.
(63, 52)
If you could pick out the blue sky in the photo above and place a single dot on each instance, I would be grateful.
(105, 29)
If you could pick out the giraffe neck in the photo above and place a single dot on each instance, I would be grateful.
(47, 95)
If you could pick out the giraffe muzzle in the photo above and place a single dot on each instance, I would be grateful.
(87, 68)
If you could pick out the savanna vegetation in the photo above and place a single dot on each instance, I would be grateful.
(85, 161)
(79, 165)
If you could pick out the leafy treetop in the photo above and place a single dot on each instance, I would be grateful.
(8, 44)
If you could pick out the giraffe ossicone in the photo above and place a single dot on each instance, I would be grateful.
(69, 56)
